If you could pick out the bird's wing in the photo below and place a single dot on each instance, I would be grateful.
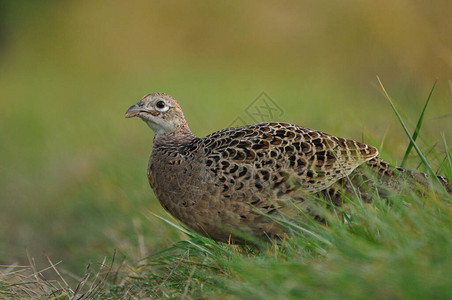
(276, 153)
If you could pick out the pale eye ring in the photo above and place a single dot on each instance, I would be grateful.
(161, 106)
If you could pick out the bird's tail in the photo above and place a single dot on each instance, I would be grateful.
(392, 177)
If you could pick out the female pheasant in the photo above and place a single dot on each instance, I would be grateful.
(226, 184)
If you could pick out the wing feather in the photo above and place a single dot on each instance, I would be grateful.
(282, 156)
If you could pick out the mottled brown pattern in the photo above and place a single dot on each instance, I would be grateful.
(225, 184)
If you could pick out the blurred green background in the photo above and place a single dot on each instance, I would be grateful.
(73, 171)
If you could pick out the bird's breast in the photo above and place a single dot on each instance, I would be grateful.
(175, 180)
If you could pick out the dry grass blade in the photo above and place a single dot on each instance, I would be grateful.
(15, 282)
(34, 269)
(170, 274)
(59, 275)
(190, 278)
(93, 285)
(121, 265)
(95, 288)
(82, 282)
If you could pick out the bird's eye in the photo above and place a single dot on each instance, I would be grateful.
(160, 104)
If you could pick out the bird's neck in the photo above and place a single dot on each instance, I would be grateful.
(180, 137)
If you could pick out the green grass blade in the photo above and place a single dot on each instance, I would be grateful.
(181, 229)
(448, 157)
(418, 126)
(419, 152)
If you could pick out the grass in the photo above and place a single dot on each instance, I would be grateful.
(398, 251)
(393, 252)
(395, 248)
(19, 282)
(418, 125)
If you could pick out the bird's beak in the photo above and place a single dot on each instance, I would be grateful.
(133, 111)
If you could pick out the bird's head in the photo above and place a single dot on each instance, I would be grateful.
(160, 112)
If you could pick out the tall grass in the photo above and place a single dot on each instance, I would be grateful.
(399, 251)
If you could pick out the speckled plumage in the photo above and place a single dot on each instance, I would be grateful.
(224, 184)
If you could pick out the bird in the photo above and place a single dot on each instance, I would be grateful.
(231, 184)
